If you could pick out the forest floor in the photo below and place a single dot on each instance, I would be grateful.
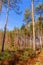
(26, 57)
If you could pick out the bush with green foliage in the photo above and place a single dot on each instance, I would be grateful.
(5, 55)
(28, 53)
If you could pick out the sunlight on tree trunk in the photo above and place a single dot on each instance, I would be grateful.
(33, 24)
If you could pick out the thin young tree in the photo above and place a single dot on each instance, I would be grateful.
(9, 4)
(27, 18)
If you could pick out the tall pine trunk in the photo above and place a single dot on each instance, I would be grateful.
(33, 24)
(4, 35)
(41, 31)
(5, 30)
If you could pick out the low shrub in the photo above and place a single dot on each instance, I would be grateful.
(24, 56)
(5, 55)
(28, 53)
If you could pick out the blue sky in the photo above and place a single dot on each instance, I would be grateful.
(14, 20)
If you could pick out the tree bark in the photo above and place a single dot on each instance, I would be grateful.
(5, 30)
(41, 31)
(33, 24)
